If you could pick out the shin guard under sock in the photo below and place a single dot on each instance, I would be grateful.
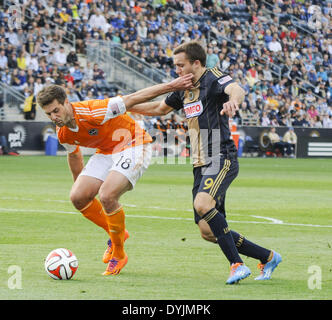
(116, 225)
(219, 227)
(94, 211)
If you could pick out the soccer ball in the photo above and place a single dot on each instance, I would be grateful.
(61, 264)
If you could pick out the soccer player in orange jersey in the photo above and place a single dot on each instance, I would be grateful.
(123, 153)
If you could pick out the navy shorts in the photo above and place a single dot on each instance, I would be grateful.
(215, 179)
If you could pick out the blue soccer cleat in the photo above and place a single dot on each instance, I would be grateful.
(267, 269)
(238, 272)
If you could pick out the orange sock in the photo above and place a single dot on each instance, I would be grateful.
(94, 211)
(116, 225)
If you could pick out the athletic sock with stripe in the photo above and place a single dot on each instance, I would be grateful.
(219, 227)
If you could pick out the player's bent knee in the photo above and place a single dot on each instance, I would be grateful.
(80, 200)
(108, 201)
(203, 204)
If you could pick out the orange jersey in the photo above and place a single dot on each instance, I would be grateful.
(97, 129)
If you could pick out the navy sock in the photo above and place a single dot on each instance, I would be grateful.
(219, 227)
(250, 249)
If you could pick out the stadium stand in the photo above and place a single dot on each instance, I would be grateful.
(280, 51)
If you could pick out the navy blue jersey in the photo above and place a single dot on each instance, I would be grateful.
(208, 131)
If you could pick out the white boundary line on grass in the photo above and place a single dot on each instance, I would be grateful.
(135, 206)
(177, 218)
(273, 220)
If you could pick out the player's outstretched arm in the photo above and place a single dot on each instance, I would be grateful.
(236, 97)
(152, 108)
(144, 95)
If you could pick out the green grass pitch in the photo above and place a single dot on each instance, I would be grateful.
(283, 204)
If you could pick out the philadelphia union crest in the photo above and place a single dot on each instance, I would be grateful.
(191, 96)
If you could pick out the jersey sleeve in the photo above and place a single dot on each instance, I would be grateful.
(102, 110)
(70, 148)
(174, 100)
(222, 82)
(115, 107)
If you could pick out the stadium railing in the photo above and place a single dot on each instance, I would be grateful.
(121, 67)
(297, 23)
(306, 86)
(11, 98)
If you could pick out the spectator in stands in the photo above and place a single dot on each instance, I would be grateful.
(278, 146)
(299, 120)
(38, 85)
(275, 45)
(142, 30)
(181, 26)
(327, 121)
(322, 106)
(6, 76)
(29, 108)
(161, 38)
(212, 59)
(69, 78)
(64, 15)
(265, 120)
(60, 57)
(267, 74)
(312, 76)
(3, 60)
(195, 31)
(72, 95)
(244, 113)
(99, 75)
(322, 74)
(153, 24)
(225, 62)
(13, 38)
(88, 72)
(252, 76)
(72, 57)
(312, 112)
(187, 7)
(290, 138)
(33, 63)
(162, 59)
(309, 98)
(21, 60)
(11, 59)
(315, 122)
(22, 77)
(320, 89)
(77, 73)
(152, 59)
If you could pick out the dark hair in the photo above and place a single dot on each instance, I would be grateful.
(193, 50)
(50, 93)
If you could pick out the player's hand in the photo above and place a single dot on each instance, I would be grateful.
(230, 108)
(182, 83)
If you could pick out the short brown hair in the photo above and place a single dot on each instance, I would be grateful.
(50, 93)
(194, 51)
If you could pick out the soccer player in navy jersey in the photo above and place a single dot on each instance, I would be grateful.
(214, 98)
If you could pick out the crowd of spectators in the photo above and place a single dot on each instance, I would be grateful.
(286, 71)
